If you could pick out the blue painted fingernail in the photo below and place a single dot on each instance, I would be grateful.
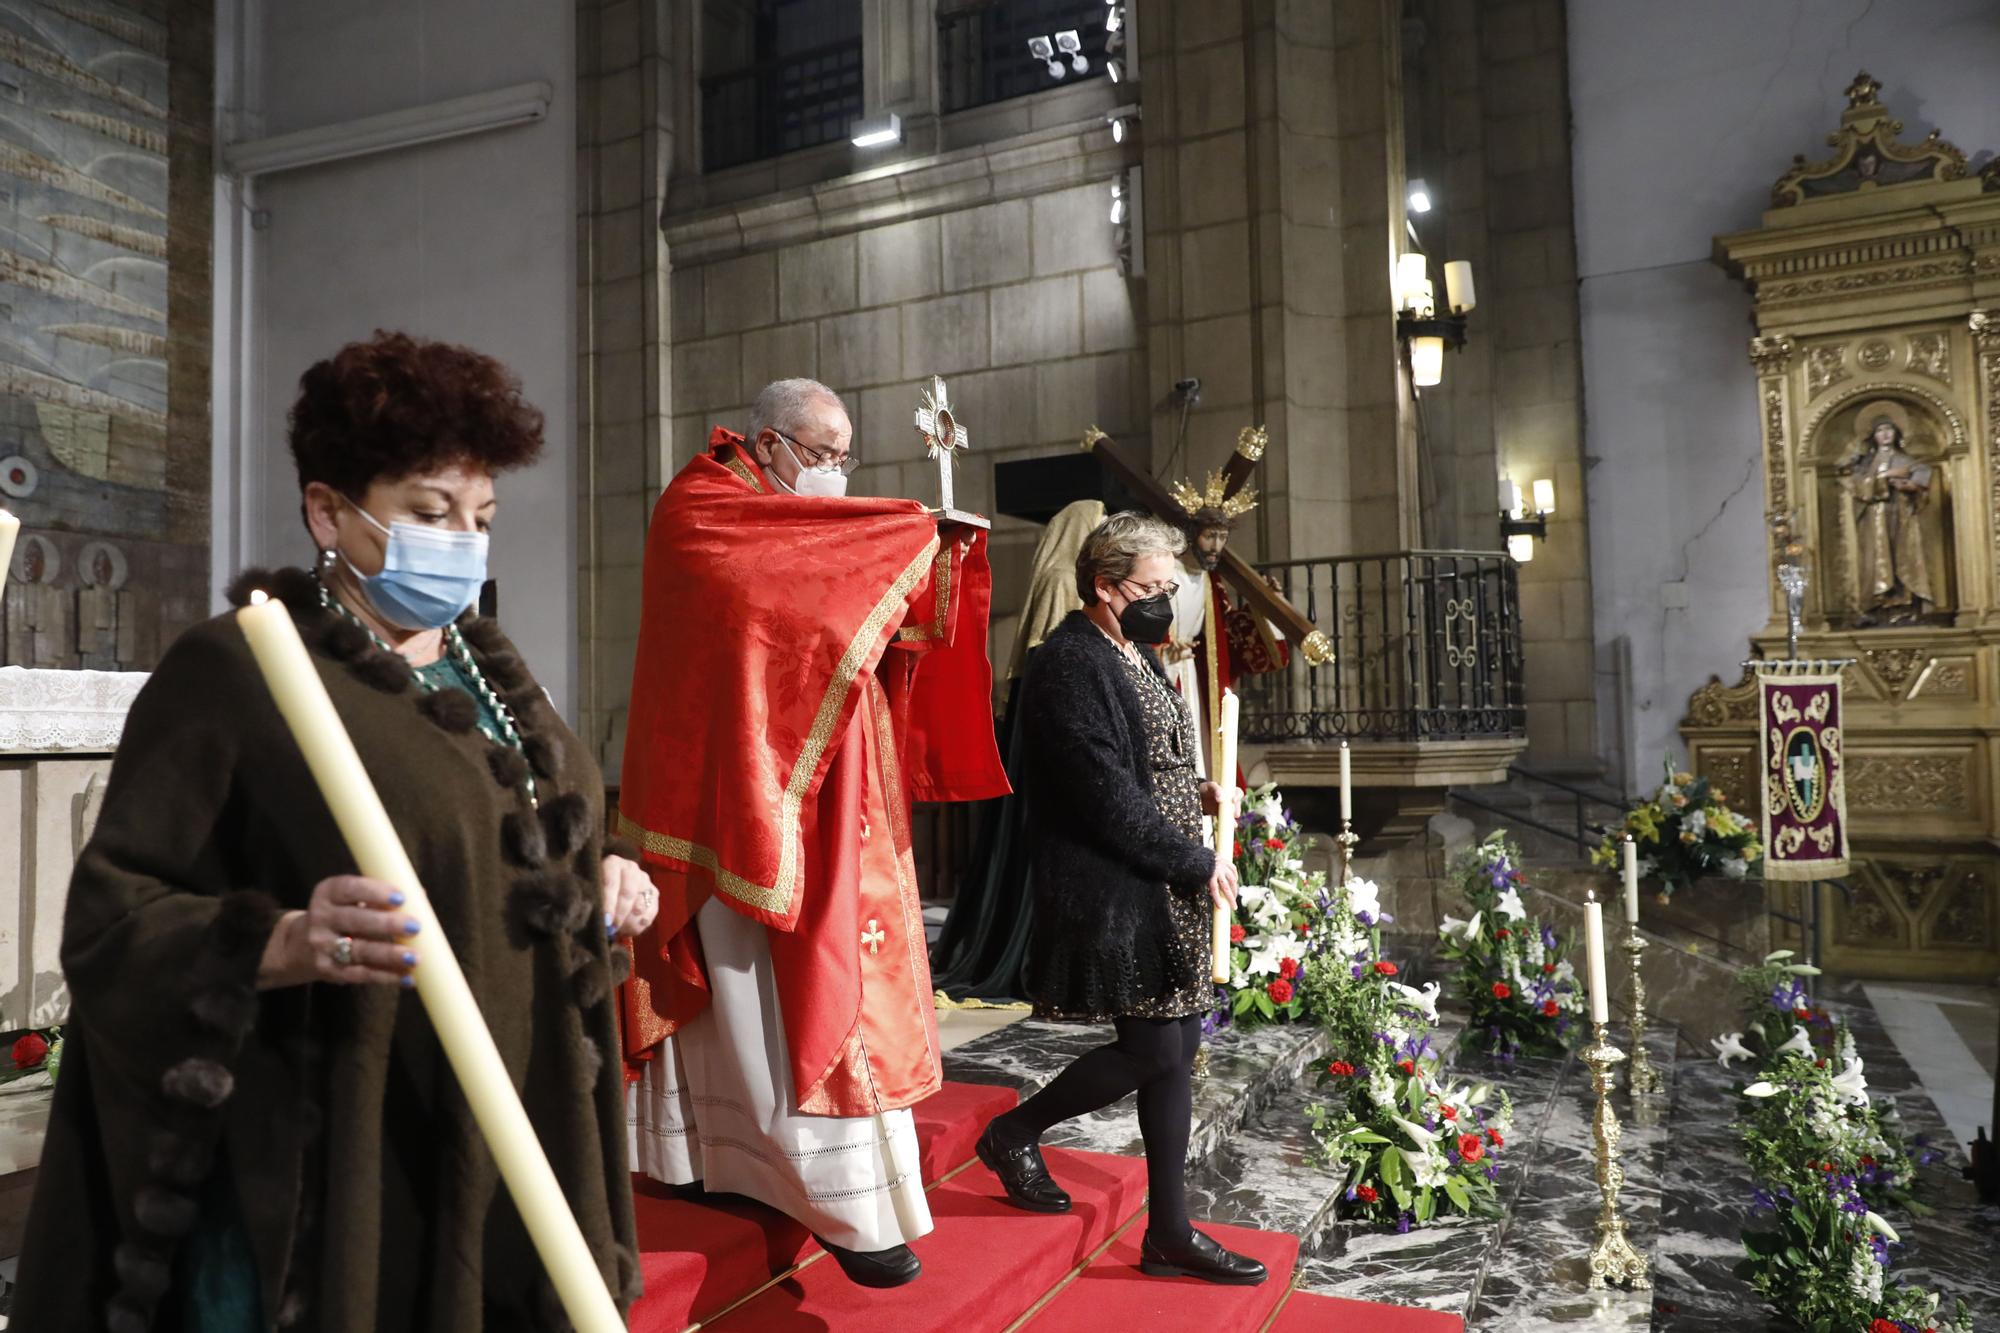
(411, 926)
(396, 898)
(409, 959)
(407, 982)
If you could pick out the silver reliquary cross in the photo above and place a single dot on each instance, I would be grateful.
(944, 435)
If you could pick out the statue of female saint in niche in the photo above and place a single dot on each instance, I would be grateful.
(1889, 494)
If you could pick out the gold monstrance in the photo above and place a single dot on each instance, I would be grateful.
(944, 435)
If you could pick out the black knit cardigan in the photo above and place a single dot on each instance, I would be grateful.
(1104, 859)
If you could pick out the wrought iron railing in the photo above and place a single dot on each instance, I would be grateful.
(1427, 647)
(798, 101)
(983, 48)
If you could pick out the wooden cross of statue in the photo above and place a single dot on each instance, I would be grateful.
(944, 435)
(1248, 584)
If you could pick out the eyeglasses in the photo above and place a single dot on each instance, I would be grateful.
(821, 459)
(1146, 590)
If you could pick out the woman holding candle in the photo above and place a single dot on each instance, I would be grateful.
(1123, 885)
(256, 1126)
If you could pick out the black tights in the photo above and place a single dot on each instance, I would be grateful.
(1153, 1057)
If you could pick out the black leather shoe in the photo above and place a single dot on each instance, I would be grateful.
(1201, 1257)
(875, 1268)
(1023, 1174)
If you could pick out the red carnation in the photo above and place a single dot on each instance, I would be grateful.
(1281, 991)
(1274, 844)
(1366, 1193)
(1801, 1012)
(1883, 1326)
(1548, 969)
(1550, 1008)
(1407, 1066)
(1288, 968)
(1503, 934)
(1493, 1137)
(1236, 850)
(1471, 1147)
(1448, 1112)
(30, 1050)
(1386, 969)
(1340, 1069)
(1501, 990)
(1302, 928)
(1236, 933)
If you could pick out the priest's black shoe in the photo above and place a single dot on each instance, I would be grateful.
(875, 1268)
(1023, 1174)
(1201, 1257)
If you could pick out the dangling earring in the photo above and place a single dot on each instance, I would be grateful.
(327, 557)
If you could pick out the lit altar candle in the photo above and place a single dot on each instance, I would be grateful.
(1593, 934)
(10, 528)
(1225, 834)
(1631, 881)
(329, 752)
(1346, 785)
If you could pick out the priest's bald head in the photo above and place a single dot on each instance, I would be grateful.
(800, 435)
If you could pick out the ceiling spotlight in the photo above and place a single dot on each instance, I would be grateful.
(1070, 43)
(1420, 196)
(1114, 18)
(1044, 50)
(1116, 70)
(1117, 129)
(1120, 119)
(1117, 202)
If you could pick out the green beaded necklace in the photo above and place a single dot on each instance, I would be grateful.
(503, 731)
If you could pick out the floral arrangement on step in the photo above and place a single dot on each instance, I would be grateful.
(34, 1052)
(1685, 831)
(1409, 1143)
(1276, 905)
(1512, 968)
(1829, 1163)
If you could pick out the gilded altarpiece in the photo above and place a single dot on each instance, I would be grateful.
(1876, 282)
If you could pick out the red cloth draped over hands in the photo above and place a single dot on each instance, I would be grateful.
(766, 618)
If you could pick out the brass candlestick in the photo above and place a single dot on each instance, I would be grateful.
(1612, 1259)
(1644, 1080)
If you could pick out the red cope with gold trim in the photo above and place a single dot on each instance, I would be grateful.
(806, 667)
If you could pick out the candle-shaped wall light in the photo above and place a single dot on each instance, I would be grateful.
(1458, 293)
(1412, 277)
(10, 528)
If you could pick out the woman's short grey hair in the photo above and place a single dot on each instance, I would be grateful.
(782, 406)
(1115, 546)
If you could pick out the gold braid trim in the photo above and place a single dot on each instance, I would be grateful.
(777, 897)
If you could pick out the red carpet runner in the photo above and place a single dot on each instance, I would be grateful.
(737, 1266)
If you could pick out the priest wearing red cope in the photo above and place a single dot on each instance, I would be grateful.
(808, 664)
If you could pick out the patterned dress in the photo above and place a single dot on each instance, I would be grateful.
(1170, 745)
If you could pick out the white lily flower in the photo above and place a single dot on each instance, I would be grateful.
(1510, 906)
(1850, 1084)
(1802, 969)
(1420, 1136)
(1761, 1088)
(1463, 931)
(1269, 952)
(1800, 1043)
(1425, 1001)
(1880, 1226)
(1364, 895)
(1729, 1046)
(1776, 954)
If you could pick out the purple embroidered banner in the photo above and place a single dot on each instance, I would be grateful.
(1805, 788)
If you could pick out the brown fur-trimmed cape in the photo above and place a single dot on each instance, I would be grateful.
(368, 1197)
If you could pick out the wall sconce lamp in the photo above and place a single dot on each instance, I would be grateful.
(1417, 320)
(877, 131)
(1521, 526)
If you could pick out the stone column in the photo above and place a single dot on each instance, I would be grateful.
(899, 64)
(634, 88)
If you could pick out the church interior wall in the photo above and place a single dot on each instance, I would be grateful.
(1683, 116)
(470, 240)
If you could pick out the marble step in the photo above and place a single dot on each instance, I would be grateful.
(1247, 1070)
(1536, 1271)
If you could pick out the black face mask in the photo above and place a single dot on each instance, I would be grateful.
(1148, 619)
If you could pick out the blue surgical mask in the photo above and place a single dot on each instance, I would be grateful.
(428, 575)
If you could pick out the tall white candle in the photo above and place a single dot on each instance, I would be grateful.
(1631, 881)
(1225, 834)
(1346, 784)
(10, 528)
(468, 1044)
(1593, 933)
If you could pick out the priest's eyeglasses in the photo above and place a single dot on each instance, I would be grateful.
(1167, 589)
(820, 459)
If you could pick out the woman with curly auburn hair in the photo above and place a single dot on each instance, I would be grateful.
(256, 1126)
